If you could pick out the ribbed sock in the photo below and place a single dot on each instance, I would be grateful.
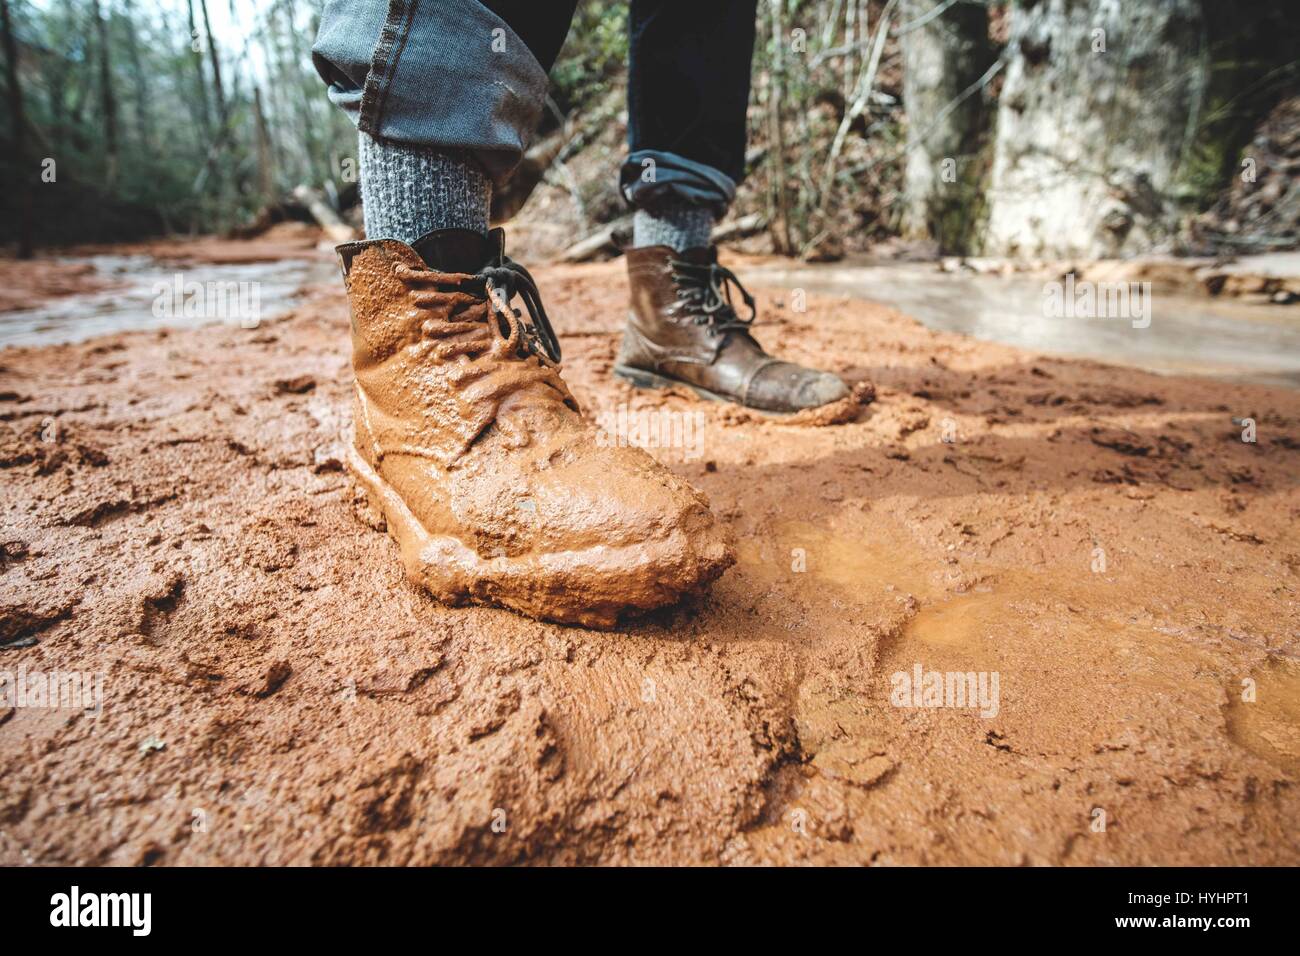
(678, 225)
(407, 191)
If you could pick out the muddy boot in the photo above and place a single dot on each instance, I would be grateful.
(684, 330)
(468, 442)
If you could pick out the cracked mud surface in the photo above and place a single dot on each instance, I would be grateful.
(175, 517)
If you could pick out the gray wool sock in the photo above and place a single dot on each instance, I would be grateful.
(678, 225)
(407, 191)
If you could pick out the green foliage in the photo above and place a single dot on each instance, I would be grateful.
(593, 57)
(1250, 65)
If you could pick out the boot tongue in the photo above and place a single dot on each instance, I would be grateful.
(700, 255)
(457, 250)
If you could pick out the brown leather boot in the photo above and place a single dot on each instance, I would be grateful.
(470, 445)
(684, 330)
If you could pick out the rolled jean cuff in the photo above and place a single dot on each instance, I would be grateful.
(649, 178)
(449, 74)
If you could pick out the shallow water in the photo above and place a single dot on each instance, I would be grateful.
(1223, 338)
(1219, 337)
(154, 294)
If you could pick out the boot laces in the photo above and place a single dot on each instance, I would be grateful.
(500, 283)
(704, 293)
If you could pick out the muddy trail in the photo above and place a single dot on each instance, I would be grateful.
(1095, 546)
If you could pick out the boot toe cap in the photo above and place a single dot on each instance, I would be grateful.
(654, 522)
(609, 530)
(786, 387)
(820, 388)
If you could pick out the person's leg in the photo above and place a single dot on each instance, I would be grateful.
(688, 88)
(409, 191)
(687, 96)
(445, 95)
(542, 26)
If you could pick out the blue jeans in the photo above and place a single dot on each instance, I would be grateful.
(470, 75)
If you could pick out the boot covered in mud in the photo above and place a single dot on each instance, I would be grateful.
(469, 444)
(684, 329)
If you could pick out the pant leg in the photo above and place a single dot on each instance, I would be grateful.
(455, 74)
(541, 24)
(688, 89)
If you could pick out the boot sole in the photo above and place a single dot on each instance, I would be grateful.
(641, 378)
(590, 587)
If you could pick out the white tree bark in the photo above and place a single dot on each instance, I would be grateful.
(945, 51)
(1094, 118)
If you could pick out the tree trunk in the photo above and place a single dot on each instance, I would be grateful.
(215, 57)
(944, 56)
(781, 232)
(265, 163)
(1094, 119)
(308, 99)
(107, 100)
(334, 228)
(143, 126)
(850, 38)
(205, 115)
(291, 129)
(18, 118)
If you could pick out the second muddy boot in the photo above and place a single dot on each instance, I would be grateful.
(684, 329)
(468, 442)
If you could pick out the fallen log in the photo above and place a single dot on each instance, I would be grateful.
(748, 225)
(605, 243)
(335, 228)
(610, 240)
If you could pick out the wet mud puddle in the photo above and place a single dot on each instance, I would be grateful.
(949, 613)
(945, 611)
(1031, 630)
(861, 568)
(147, 293)
(960, 621)
(1263, 713)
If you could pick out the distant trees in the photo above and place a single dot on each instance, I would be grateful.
(18, 121)
(142, 120)
(822, 92)
(1031, 127)
(108, 102)
(1016, 127)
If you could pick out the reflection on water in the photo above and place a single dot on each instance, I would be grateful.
(131, 305)
(1219, 337)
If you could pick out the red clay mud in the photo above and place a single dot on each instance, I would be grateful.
(275, 691)
(286, 240)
